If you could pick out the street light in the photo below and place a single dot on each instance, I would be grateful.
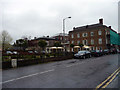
(64, 30)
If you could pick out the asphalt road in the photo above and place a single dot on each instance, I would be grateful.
(73, 73)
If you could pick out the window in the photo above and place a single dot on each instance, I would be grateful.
(72, 42)
(47, 43)
(100, 32)
(78, 35)
(100, 41)
(85, 42)
(92, 33)
(92, 41)
(84, 34)
(72, 36)
(78, 42)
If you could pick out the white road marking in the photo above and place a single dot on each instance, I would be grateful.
(26, 76)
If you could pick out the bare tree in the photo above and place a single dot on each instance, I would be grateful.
(5, 40)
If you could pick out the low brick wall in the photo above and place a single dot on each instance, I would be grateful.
(20, 63)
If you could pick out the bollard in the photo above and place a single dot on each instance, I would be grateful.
(14, 63)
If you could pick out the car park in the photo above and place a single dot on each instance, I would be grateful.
(82, 54)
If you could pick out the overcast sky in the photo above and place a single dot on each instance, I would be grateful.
(38, 18)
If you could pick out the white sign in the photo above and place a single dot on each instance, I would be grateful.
(14, 63)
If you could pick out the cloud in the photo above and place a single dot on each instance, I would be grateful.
(44, 17)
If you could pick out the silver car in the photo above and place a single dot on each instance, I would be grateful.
(82, 54)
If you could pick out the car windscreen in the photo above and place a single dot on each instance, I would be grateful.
(81, 52)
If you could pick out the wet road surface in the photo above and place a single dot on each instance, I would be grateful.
(73, 73)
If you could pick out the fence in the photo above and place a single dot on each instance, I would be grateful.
(31, 59)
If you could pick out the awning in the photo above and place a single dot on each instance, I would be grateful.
(56, 47)
(76, 46)
(86, 46)
(59, 47)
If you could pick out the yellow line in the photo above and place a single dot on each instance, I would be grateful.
(107, 79)
(110, 80)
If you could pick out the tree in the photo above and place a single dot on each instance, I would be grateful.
(57, 44)
(42, 44)
(5, 40)
(81, 45)
(22, 43)
(72, 45)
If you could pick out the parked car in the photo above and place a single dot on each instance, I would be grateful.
(93, 52)
(118, 51)
(106, 51)
(113, 51)
(15, 52)
(96, 53)
(82, 54)
(9, 52)
(30, 52)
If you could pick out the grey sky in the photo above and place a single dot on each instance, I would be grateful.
(38, 18)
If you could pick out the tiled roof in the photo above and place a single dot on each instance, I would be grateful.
(45, 38)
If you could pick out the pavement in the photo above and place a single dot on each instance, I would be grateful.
(72, 73)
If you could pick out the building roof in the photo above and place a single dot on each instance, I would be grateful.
(88, 27)
(43, 38)
(60, 34)
(91, 27)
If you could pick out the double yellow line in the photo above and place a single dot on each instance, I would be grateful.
(105, 83)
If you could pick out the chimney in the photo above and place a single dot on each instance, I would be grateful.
(101, 21)
(74, 28)
(110, 27)
(34, 37)
(86, 26)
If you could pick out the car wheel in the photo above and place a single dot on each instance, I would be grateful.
(84, 57)
(90, 56)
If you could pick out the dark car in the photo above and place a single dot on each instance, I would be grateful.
(113, 51)
(96, 53)
(106, 51)
(8, 52)
(93, 52)
(82, 54)
(118, 51)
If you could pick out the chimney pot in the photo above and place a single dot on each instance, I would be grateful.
(74, 28)
(86, 26)
(34, 37)
(101, 21)
(110, 27)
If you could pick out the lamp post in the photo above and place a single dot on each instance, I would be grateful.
(64, 30)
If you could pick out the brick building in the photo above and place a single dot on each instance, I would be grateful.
(64, 39)
(96, 36)
(61, 37)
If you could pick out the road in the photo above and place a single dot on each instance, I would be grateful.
(73, 73)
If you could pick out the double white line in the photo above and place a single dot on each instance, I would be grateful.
(26, 76)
